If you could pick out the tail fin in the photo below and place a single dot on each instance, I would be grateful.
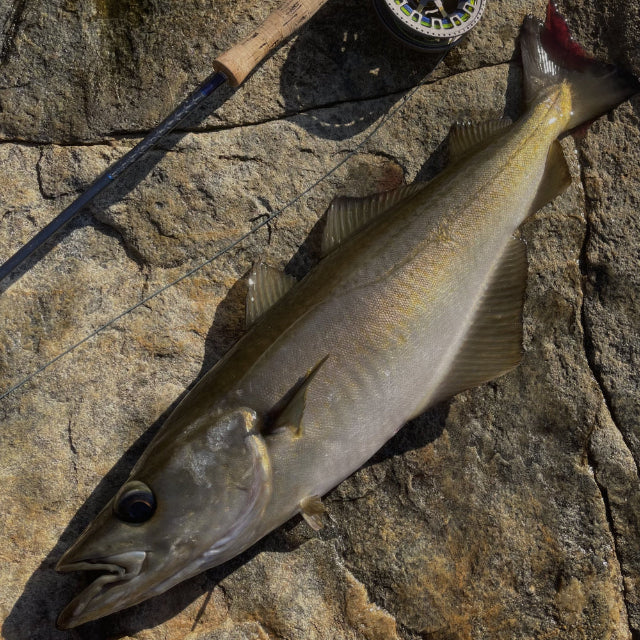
(551, 56)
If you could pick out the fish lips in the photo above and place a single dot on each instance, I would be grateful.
(99, 598)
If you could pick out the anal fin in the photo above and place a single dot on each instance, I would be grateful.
(493, 345)
(555, 180)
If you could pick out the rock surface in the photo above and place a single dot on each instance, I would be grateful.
(511, 511)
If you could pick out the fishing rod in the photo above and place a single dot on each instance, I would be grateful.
(233, 66)
(426, 25)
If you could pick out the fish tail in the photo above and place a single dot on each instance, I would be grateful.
(550, 56)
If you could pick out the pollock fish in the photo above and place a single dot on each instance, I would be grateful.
(418, 297)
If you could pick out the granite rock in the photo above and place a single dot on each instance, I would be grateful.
(510, 511)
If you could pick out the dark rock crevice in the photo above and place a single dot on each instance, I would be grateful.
(588, 339)
(10, 29)
(41, 187)
(74, 451)
(116, 136)
(600, 475)
(604, 494)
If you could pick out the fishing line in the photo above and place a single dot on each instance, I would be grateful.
(385, 118)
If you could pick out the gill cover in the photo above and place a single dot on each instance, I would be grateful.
(187, 506)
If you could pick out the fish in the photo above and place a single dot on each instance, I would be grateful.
(419, 296)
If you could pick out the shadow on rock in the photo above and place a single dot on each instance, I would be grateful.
(228, 322)
(346, 55)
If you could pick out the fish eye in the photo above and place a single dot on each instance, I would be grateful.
(134, 503)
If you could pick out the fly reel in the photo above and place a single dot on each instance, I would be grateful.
(430, 25)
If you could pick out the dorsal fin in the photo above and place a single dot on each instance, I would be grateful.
(555, 180)
(465, 136)
(346, 216)
(493, 344)
(266, 286)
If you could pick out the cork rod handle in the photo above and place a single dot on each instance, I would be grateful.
(238, 62)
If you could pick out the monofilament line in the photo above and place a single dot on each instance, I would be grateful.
(228, 247)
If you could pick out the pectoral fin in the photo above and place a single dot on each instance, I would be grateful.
(312, 511)
(493, 344)
(288, 413)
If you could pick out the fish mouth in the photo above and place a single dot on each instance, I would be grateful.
(101, 597)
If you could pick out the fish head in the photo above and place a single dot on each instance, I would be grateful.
(188, 505)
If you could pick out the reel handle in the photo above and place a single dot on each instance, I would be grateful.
(239, 61)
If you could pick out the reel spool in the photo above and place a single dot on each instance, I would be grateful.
(430, 25)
